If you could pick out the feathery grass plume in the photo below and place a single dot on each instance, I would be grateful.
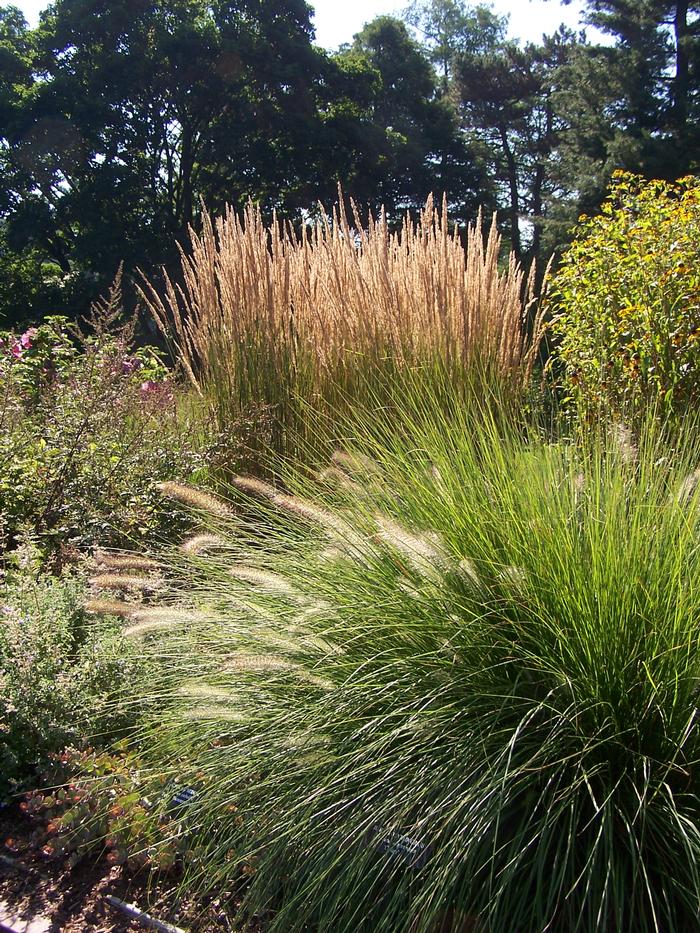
(319, 609)
(126, 581)
(391, 299)
(125, 561)
(147, 627)
(215, 713)
(112, 607)
(315, 515)
(333, 476)
(425, 552)
(435, 474)
(624, 443)
(409, 589)
(252, 486)
(162, 619)
(319, 645)
(688, 488)
(334, 526)
(332, 554)
(199, 691)
(247, 663)
(273, 640)
(264, 664)
(197, 499)
(287, 503)
(353, 463)
(360, 549)
(202, 544)
(175, 614)
(468, 571)
(515, 576)
(272, 583)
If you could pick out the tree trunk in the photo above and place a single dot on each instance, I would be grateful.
(514, 210)
(681, 80)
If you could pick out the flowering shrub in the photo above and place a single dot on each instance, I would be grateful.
(87, 427)
(626, 299)
(61, 677)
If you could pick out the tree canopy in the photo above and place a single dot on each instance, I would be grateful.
(118, 120)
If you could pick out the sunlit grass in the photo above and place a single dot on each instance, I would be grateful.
(266, 320)
(454, 678)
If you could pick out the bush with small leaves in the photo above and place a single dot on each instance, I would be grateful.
(626, 300)
(88, 426)
(63, 676)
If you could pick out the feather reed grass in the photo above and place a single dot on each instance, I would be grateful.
(268, 316)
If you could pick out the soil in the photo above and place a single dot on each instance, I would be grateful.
(72, 897)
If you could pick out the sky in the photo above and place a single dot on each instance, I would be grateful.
(337, 21)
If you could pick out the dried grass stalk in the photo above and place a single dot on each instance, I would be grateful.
(339, 287)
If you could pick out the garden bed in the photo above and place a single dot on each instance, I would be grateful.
(35, 887)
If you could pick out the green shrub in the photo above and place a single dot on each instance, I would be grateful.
(454, 677)
(626, 300)
(87, 427)
(61, 675)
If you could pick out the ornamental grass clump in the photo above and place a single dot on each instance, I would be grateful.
(265, 315)
(481, 709)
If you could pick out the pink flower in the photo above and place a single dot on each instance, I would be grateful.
(27, 337)
(129, 365)
(17, 350)
(149, 386)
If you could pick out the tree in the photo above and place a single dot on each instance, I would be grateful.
(416, 144)
(450, 28)
(264, 139)
(507, 100)
(655, 64)
(137, 110)
(25, 278)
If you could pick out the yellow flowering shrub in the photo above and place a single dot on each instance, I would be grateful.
(626, 299)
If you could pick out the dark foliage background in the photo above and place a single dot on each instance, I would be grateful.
(118, 119)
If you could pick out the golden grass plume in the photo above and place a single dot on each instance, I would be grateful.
(197, 499)
(341, 285)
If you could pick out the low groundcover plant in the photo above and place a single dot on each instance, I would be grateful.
(448, 683)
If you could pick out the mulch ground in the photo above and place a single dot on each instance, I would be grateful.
(71, 897)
